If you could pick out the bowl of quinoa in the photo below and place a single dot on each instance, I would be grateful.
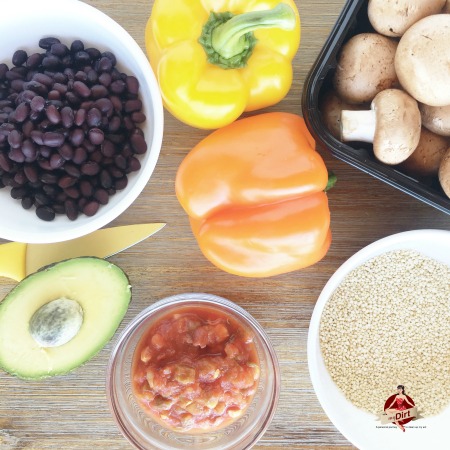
(383, 320)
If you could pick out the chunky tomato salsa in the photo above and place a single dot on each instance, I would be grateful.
(196, 369)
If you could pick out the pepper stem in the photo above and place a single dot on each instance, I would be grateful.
(228, 40)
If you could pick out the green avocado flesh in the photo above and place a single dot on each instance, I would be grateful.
(40, 332)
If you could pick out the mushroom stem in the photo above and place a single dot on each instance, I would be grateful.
(358, 125)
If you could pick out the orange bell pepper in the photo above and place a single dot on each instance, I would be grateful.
(254, 192)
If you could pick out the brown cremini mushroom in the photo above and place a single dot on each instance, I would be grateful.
(444, 173)
(436, 118)
(422, 60)
(446, 9)
(393, 17)
(392, 124)
(365, 67)
(427, 157)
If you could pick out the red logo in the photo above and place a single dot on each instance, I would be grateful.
(399, 409)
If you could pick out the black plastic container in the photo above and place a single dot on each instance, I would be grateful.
(353, 20)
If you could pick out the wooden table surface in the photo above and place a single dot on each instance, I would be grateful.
(71, 412)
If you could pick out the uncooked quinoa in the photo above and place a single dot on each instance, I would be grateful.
(388, 323)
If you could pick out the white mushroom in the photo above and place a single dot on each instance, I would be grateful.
(422, 60)
(436, 118)
(331, 106)
(444, 173)
(394, 17)
(392, 124)
(365, 67)
(427, 157)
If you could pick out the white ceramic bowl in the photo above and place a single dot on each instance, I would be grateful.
(360, 427)
(22, 24)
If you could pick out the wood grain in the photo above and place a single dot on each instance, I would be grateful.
(71, 412)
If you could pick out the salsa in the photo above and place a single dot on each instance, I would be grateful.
(195, 369)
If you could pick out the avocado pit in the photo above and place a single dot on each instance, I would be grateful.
(56, 323)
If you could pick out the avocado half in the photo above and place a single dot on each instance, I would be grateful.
(59, 317)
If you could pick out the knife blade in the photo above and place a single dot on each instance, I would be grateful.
(17, 260)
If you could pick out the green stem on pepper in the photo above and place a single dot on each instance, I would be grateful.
(228, 39)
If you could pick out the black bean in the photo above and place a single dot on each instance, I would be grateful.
(13, 75)
(90, 168)
(45, 151)
(45, 213)
(29, 150)
(120, 161)
(106, 180)
(80, 76)
(94, 117)
(16, 155)
(51, 62)
(31, 173)
(53, 114)
(138, 117)
(66, 151)
(3, 69)
(138, 144)
(41, 199)
(43, 79)
(67, 181)
(72, 170)
(18, 192)
(81, 89)
(102, 196)
(94, 53)
(59, 49)
(37, 137)
(81, 57)
(76, 46)
(34, 60)
(21, 112)
(73, 99)
(80, 117)
(37, 103)
(132, 105)
(17, 85)
(108, 149)
(91, 208)
(121, 183)
(105, 64)
(96, 136)
(67, 116)
(79, 156)
(86, 188)
(117, 87)
(71, 209)
(56, 161)
(15, 139)
(133, 164)
(5, 163)
(53, 139)
(77, 137)
(47, 42)
(72, 192)
(27, 128)
(27, 202)
(111, 56)
(35, 86)
(98, 91)
(105, 79)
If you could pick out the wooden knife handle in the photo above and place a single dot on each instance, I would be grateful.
(12, 260)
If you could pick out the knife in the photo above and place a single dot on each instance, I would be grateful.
(17, 260)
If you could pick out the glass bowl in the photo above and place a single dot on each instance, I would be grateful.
(144, 432)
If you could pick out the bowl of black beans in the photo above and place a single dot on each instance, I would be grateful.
(81, 120)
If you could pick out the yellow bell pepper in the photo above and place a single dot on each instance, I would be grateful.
(215, 59)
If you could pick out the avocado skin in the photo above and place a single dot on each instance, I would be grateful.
(93, 347)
